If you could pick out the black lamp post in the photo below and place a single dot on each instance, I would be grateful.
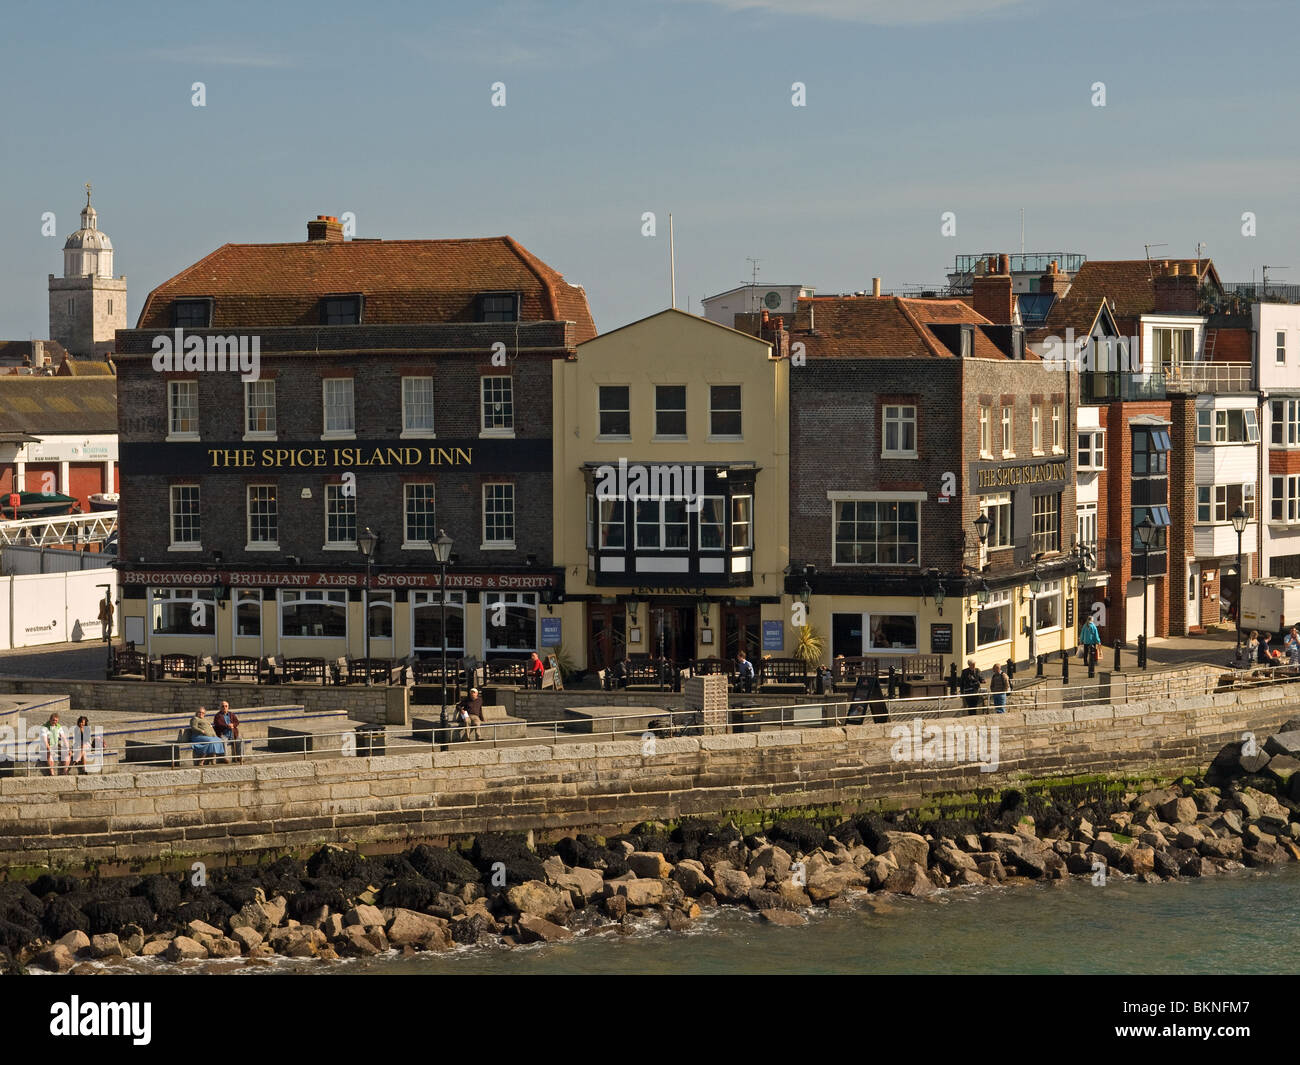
(1239, 519)
(1146, 530)
(442, 552)
(368, 541)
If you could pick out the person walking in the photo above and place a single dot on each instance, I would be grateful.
(972, 680)
(999, 685)
(744, 673)
(536, 671)
(1091, 640)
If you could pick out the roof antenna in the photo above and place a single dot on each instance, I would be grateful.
(1266, 269)
(672, 263)
(1148, 247)
(753, 284)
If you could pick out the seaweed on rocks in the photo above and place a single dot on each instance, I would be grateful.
(17, 901)
(60, 885)
(409, 894)
(338, 863)
(236, 895)
(113, 887)
(63, 916)
(581, 851)
(109, 915)
(396, 867)
(800, 833)
(511, 851)
(14, 936)
(847, 833)
(201, 905)
(444, 866)
(614, 865)
(162, 892)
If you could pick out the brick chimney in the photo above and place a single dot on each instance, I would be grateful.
(1055, 282)
(1176, 291)
(774, 331)
(992, 295)
(326, 228)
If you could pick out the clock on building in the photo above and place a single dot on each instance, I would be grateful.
(772, 300)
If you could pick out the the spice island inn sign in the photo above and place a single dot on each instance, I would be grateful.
(1028, 473)
(477, 456)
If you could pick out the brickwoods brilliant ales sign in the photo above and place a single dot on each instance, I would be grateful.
(1005, 476)
(471, 456)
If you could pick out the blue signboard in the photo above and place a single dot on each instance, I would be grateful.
(551, 632)
(773, 636)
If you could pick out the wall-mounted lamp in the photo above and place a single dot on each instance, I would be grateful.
(983, 594)
(632, 603)
(704, 611)
(305, 494)
(548, 597)
(940, 593)
(805, 593)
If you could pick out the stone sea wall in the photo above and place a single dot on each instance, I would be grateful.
(385, 802)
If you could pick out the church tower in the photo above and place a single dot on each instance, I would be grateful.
(87, 304)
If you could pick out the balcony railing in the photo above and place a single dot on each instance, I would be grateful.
(1129, 387)
(1209, 377)
(1035, 262)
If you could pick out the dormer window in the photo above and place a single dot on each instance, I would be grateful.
(497, 307)
(967, 341)
(192, 314)
(340, 310)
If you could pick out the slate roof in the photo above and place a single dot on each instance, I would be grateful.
(886, 327)
(403, 282)
(45, 405)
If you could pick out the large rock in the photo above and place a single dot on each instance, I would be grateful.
(730, 885)
(827, 884)
(769, 861)
(1247, 801)
(75, 941)
(106, 946)
(1179, 811)
(1138, 859)
(908, 848)
(539, 930)
(365, 916)
(793, 895)
(650, 865)
(1229, 848)
(202, 928)
(532, 896)
(1153, 800)
(56, 959)
(1265, 852)
(183, 948)
(246, 937)
(262, 916)
(221, 947)
(1254, 763)
(1207, 799)
(1284, 743)
(409, 928)
(783, 917)
(1027, 860)
(910, 880)
(1229, 819)
(998, 842)
(691, 876)
(581, 884)
(950, 857)
(640, 893)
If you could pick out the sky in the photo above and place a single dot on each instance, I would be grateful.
(615, 108)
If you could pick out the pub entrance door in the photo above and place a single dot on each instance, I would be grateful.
(673, 628)
(606, 635)
(742, 630)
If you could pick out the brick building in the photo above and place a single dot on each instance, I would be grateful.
(911, 419)
(398, 386)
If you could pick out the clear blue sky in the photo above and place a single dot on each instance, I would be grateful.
(914, 108)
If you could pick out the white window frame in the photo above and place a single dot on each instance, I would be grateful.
(409, 544)
(527, 600)
(605, 511)
(383, 599)
(238, 597)
(999, 523)
(1036, 428)
(250, 389)
(836, 498)
(1284, 494)
(334, 497)
(685, 411)
(333, 384)
(1049, 590)
(1034, 514)
(1000, 600)
(1085, 520)
(159, 596)
(986, 431)
(1280, 347)
(412, 404)
(1008, 432)
(869, 629)
(251, 544)
(602, 410)
(739, 411)
(432, 600)
(1058, 427)
(311, 595)
(660, 525)
(174, 389)
(746, 523)
(497, 389)
(1095, 449)
(498, 545)
(174, 544)
(720, 524)
(900, 417)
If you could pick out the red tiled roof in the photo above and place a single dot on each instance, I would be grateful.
(886, 327)
(403, 282)
(1129, 282)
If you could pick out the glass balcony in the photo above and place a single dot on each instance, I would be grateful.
(1127, 387)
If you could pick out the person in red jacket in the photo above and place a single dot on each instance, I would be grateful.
(535, 671)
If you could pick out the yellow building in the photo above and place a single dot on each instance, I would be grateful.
(671, 483)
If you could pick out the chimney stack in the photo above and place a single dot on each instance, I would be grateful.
(326, 228)
(1055, 282)
(875, 287)
(1176, 292)
(991, 293)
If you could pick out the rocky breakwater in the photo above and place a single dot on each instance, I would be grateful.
(496, 891)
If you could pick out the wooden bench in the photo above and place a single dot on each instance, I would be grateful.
(239, 666)
(845, 672)
(130, 664)
(177, 665)
(296, 669)
(708, 667)
(508, 671)
(784, 672)
(354, 670)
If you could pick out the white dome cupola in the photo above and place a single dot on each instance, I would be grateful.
(88, 252)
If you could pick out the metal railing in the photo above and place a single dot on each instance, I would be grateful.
(1190, 377)
(95, 527)
(1130, 387)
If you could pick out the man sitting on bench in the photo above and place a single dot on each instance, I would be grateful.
(470, 711)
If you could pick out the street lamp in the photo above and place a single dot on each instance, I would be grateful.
(1239, 519)
(368, 541)
(1146, 530)
(442, 552)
